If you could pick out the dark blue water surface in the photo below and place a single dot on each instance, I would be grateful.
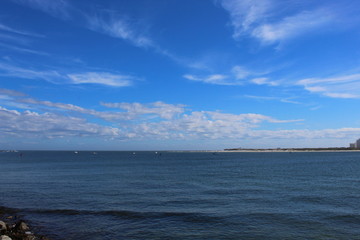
(185, 195)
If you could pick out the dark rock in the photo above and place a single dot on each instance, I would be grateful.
(12, 228)
(21, 226)
(29, 237)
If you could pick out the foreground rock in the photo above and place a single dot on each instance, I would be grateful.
(11, 228)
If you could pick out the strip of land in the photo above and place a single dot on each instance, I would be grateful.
(336, 149)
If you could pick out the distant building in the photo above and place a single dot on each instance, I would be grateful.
(355, 145)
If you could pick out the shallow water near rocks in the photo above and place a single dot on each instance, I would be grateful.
(185, 195)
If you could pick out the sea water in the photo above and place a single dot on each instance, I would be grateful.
(184, 195)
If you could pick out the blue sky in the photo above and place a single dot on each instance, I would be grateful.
(179, 74)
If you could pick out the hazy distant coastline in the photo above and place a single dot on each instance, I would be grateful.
(20, 152)
(344, 149)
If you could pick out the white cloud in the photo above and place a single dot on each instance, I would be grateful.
(251, 118)
(103, 78)
(214, 125)
(238, 75)
(166, 121)
(15, 71)
(216, 79)
(132, 111)
(118, 28)
(267, 98)
(49, 125)
(263, 81)
(246, 13)
(292, 26)
(136, 120)
(263, 20)
(240, 72)
(204, 125)
(347, 86)
(161, 109)
(341, 95)
(108, 116)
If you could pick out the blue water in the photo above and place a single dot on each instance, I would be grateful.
(121, 195)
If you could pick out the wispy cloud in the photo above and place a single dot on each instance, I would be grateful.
(238, 75)
(118, 27)
(15, 71)
(245, 15)
(263, 20)
(292, 26)
(13, 39)
(268, 98)
(103, 78)
(23, 50)
(58, 8)
(102, 21)
(8, 29)
(107, 22)
(11, 93)
(249, 117)
(217, 79)
(61, 77)
(240, 72)
(346, 86)
(263, 81)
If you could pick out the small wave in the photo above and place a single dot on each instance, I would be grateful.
(184, 216)
(7, 210)
(347, 218)
(309, 199)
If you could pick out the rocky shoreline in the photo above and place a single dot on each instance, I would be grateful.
(12, 227)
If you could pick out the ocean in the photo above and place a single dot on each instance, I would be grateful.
(184, 195)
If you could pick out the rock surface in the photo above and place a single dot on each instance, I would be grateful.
(11, 228)
(4, 237)
(3, 226)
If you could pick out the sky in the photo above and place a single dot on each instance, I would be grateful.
(179, 74)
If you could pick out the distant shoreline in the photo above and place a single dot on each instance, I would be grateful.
(289, 151)
(293, 150)
(200, 151)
